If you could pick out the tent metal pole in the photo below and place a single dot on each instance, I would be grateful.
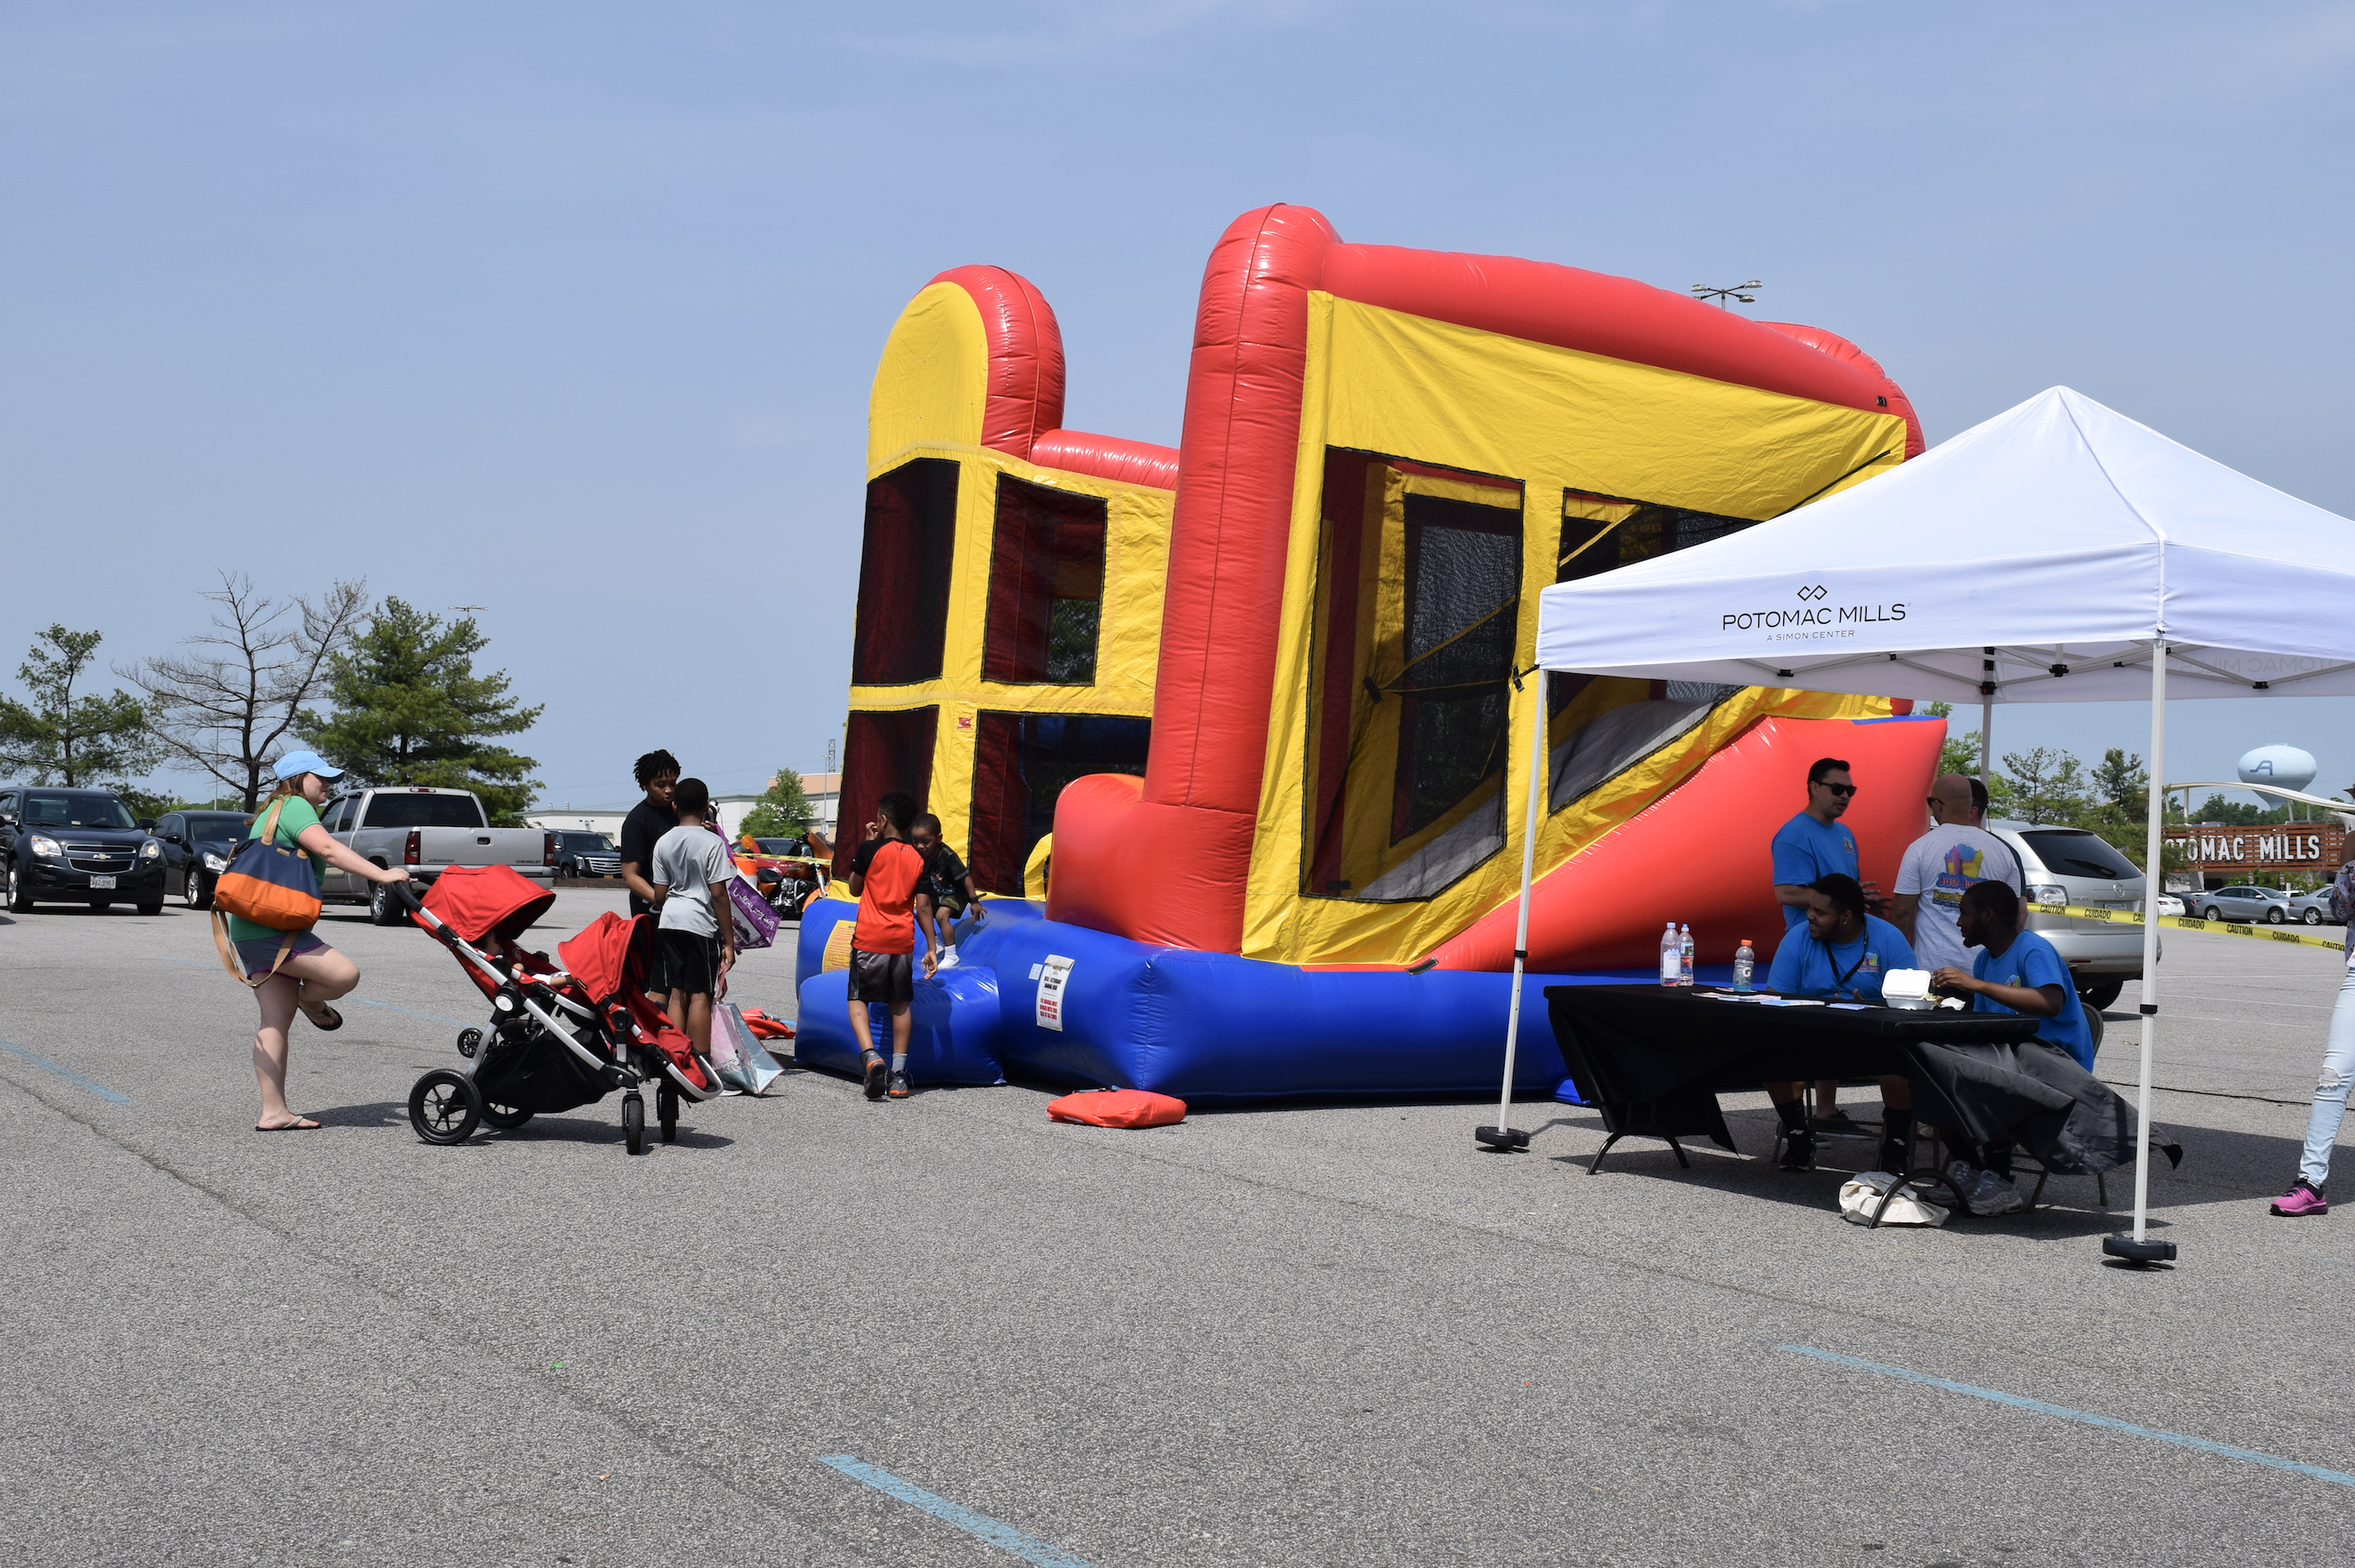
(1986, 742)
(2140, 1250)
(1502, 1137)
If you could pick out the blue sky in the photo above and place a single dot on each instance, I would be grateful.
(570, 310)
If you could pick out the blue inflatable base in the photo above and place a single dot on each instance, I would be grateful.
(1209, 1028)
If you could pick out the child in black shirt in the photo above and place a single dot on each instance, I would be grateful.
(949, 882)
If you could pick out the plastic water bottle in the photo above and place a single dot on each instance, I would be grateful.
(1672, 957)
(1684, 955)
(1745, 964)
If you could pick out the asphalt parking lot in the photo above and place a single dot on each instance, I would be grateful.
(1336, 1335)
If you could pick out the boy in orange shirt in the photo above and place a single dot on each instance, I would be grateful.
(887, 878)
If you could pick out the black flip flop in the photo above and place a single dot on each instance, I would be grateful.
(331, 1012)
(300, 1124)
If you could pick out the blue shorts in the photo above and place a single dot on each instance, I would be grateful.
(256, 954)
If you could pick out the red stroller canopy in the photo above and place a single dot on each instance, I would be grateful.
(609, 955)
(479, 901)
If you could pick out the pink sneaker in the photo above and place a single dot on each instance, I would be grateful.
(2301, 1200)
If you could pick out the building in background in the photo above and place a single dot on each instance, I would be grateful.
(822, 790)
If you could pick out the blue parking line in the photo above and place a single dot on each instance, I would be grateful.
(68, 1074)
(364, 1001)
(1003, 1536)
(2201, 1445)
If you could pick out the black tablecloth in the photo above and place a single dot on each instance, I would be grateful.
(1654, 1058)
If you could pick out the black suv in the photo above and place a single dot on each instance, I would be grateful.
(76, 846)
(197, 846)
(586, 854)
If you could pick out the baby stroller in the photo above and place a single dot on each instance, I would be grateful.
(559, 1038)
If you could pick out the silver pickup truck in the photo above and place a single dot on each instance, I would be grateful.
(428, 831)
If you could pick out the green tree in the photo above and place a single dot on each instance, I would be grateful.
(1960, 753)
(2047, 786)
(61, 738)
(784, 810)
(2122, 784)
(410, 710)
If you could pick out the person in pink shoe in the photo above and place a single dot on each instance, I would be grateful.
(2304, 1199)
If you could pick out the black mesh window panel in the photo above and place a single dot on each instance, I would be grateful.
(884, 751)
(1020, 764)
(1600, 729)
(1463, 582)
(1046, 585)
(1594, 540)
(903, 575)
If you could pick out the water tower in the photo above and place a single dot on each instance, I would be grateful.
(2285, 766)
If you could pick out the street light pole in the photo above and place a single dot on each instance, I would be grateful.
(1731, 291)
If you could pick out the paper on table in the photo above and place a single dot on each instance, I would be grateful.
(1850, 1006)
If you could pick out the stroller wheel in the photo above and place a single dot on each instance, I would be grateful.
(469, 1041)
(666, 1107)
(504, 1118)
(633, 1124)
(444, 1106)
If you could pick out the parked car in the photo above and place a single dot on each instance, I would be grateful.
(197, 846)
(2168, 904)
(2312, 908)
(2070, 866)
(586, 854)
(428, 831)
(77, 846)
(2252, 905)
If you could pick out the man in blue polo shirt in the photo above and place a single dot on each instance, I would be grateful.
(2014, 972)
(1812, 844)
(1840, 954)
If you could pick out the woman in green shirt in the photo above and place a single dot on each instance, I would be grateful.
(311, 974)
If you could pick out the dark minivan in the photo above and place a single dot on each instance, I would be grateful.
(197, 846)
(76, 846)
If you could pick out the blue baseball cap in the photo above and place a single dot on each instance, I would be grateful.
(295, 762)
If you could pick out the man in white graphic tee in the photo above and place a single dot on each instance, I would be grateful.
(1942, 864)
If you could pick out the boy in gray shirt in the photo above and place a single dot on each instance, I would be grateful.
(695, 940)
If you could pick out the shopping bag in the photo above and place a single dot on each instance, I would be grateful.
(756, 923)
(269, 883)
(1861, 1193)
(1118, 1107)
(745, 1064)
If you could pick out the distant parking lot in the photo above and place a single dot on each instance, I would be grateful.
(1332, 1335)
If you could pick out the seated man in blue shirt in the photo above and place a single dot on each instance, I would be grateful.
(2013, 971)
(1841, 955)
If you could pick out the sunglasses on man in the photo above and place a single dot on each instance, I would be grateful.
(1842, 791)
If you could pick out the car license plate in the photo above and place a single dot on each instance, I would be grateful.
(101, 881)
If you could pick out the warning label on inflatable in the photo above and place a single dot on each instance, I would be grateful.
(1053, 976)
(838, 946)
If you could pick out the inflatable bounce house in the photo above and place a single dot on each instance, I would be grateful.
(1234, 734)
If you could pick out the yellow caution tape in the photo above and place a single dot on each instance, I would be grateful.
(2189, 923)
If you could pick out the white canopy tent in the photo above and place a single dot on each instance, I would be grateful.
(2058, 553)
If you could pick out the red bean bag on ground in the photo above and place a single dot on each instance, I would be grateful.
(1118, 1107)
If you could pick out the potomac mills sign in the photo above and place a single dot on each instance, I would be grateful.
(2237, 851)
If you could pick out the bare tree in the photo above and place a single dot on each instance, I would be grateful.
(226, 706)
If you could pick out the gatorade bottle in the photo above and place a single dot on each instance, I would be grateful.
(1745, 964)
(1672, 957)
(1684, 955)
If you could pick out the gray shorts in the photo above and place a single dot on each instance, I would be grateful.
(887, 978)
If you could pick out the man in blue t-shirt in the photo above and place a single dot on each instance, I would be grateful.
(1842, 953)
(2014, 972)
(2017, 972)
(1810, 845)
